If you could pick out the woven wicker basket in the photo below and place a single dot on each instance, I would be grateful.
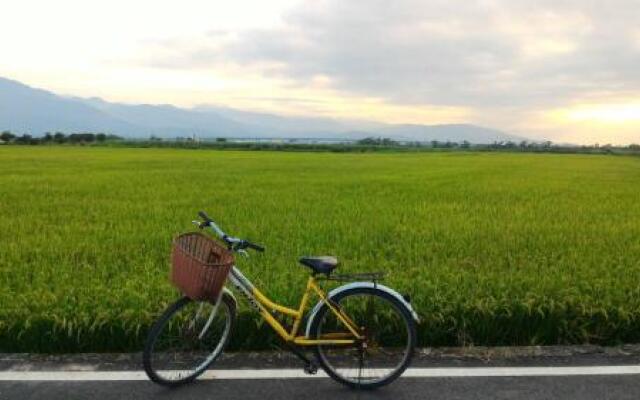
(199, 265)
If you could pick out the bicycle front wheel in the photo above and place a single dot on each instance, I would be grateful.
(389, 338)
(186, 339)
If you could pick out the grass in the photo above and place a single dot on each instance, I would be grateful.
(493, 248)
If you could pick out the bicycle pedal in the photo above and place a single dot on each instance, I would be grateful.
(310, 369)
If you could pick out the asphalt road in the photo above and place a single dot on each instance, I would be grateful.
(557, 387)
(558, 373)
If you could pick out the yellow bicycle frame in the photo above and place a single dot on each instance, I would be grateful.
(266, 307)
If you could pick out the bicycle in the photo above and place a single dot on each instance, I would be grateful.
(363, 333)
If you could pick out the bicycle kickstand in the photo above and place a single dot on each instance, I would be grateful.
(310, 367)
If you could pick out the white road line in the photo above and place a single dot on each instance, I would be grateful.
(298, 373)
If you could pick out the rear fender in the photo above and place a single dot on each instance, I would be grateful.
(354, 285)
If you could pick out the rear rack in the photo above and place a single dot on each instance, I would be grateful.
(361, 276)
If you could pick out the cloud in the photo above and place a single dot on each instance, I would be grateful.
(478, 54)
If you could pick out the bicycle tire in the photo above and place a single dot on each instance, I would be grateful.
(403, 313)
(160, 324)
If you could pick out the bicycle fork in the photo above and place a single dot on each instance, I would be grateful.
(206, 326)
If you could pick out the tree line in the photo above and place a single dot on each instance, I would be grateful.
(523, 145)
(362, 145)
(57, 138)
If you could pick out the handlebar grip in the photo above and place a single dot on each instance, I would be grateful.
(204, 216)
(254, 246)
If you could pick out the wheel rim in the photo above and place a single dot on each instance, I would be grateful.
(190, 339)
(386, 348)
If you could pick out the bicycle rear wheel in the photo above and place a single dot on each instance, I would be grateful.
(386, 351)
(186, 339)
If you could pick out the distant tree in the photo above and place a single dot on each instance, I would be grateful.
(608, 148)
(82, 138)
(24, 139)
(101, 137)
(7, 136)
(47, 138)
(435, 144)
(221, 140)
(59, 137)
(368, 141)
(388, 142)
(449, 144)
(465, 144)
(371, 141)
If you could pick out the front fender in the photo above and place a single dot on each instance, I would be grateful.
(226, 291)
(355, 285)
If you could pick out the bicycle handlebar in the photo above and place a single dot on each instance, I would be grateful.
(254, 246)
(205, 217)
(234, 243)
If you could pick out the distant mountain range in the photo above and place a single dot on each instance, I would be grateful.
(28, 110)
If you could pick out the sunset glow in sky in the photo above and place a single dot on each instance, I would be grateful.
(568, 71)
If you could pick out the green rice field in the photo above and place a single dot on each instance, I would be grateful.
(494, 248)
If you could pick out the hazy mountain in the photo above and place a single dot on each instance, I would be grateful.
(27, 110)
(295, 126)
(170, 121)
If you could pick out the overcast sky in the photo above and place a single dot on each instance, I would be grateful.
(562, 70)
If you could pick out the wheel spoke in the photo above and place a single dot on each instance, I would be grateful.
(388, 344)
(186, 339)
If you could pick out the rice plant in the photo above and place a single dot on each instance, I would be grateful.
(493, 248)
